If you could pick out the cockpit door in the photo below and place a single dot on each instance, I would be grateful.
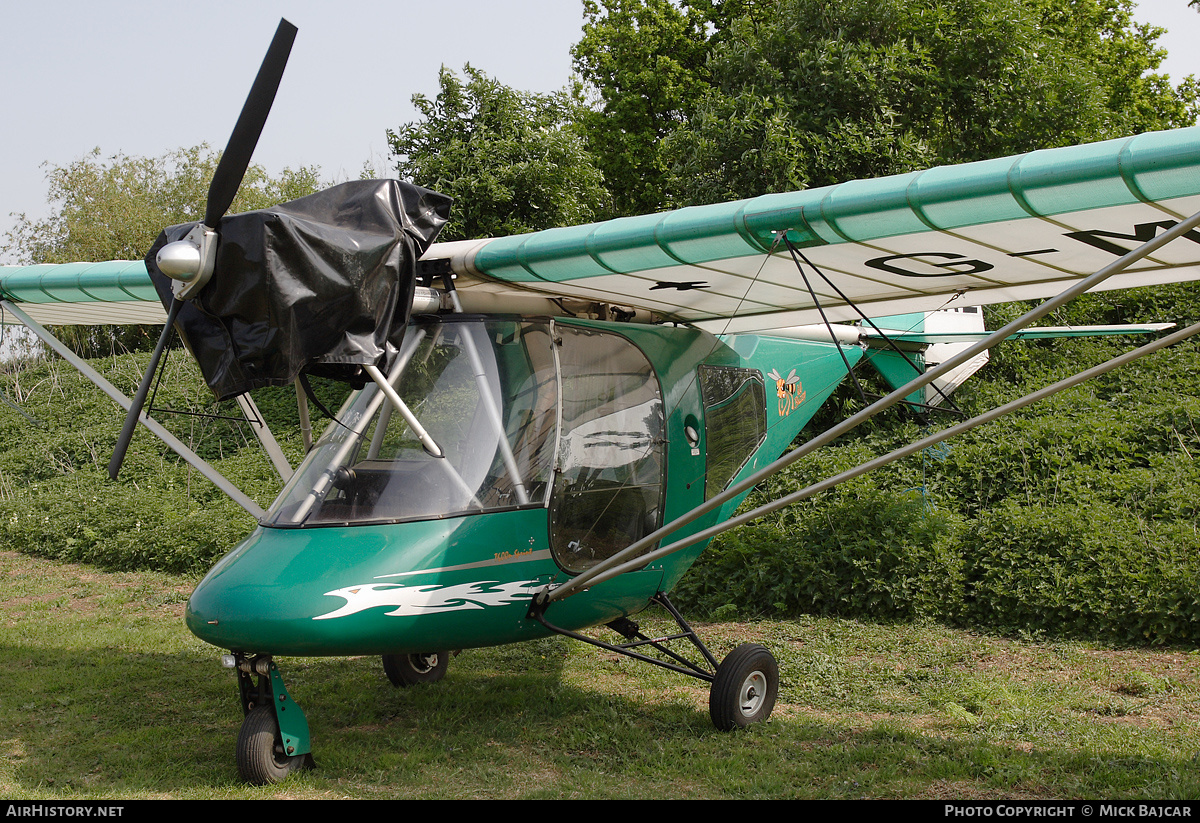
(608, 486)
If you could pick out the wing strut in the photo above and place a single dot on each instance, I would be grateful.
(616, 564)
(197, 462)
(267, 440)
(904, 451)
(305, 422)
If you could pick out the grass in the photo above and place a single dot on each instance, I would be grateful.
(105, 695)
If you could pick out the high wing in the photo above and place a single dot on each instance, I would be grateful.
(1014, 228)
(116, 292)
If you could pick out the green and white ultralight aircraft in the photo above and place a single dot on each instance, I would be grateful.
(547, 429)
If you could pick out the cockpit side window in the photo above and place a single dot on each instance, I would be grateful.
(609, 485)
(735, 421)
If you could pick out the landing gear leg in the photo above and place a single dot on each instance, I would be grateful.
(743, 687)
(273, 741)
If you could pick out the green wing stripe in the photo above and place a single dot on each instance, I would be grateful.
(115, 281)
(1145, 168)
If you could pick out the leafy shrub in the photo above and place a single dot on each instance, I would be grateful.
(1075, 517)
(867, 553)
(56, 499)
(1090, 570)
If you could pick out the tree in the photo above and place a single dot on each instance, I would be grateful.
(784, 94)
(647, 62)
(513, 161)
(114, 208)
(1124, 56)
(820, 92)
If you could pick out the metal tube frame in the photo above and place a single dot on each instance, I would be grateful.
(618, 560)
(408, 348)
(265, 438)
(431, 446)
(305, 420)
(176, 445)
(399, 405)
(632, 632)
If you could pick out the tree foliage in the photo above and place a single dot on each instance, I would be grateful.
(1123, 56)
(113, 208)
(1075, 518)
(647, 62)
(818, 92)
(779, 95)
(513, 161)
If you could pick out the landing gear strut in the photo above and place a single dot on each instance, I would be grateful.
(743, 686)
(273, 741)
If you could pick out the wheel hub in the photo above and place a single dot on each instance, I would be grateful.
(753, 692)
(424, 663)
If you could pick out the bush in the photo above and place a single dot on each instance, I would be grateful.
(56, 500)
(1083, 571)
(866, 553)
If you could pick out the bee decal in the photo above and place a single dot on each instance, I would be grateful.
(789, 390)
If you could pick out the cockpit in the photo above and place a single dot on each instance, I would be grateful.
(486, 415)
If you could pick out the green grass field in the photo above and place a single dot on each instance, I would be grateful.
(104, 694)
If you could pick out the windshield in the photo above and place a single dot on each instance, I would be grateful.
(484, 393)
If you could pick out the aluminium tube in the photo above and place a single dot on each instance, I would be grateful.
(903, 451)
(633, 550)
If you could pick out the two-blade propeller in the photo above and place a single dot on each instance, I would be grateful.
(190, 261)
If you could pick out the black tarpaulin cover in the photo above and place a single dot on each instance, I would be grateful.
(321, 285)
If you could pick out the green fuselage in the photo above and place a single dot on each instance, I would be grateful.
(342, 577)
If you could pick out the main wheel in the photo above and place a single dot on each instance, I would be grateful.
(410, 669)
(744, 689)
(260, 755)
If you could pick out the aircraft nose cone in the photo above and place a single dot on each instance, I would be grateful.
(377, 589)
(263, 596)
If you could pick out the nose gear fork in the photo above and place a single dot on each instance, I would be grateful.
(274, 739)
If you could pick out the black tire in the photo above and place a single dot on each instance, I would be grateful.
(260, 756)
(744, 689)
(411, 669)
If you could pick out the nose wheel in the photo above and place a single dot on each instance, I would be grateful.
(744, 689)
(261, 758)
(274, 740)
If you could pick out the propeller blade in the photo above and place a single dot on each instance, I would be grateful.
(236, 159)
(139, 399)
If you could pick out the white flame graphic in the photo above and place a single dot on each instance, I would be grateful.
(411, 600)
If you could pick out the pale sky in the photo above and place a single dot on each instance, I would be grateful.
(144, 77)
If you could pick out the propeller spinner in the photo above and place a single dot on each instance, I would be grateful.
(190, 261)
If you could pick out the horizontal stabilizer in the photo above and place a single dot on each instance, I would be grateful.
(1039, 333)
